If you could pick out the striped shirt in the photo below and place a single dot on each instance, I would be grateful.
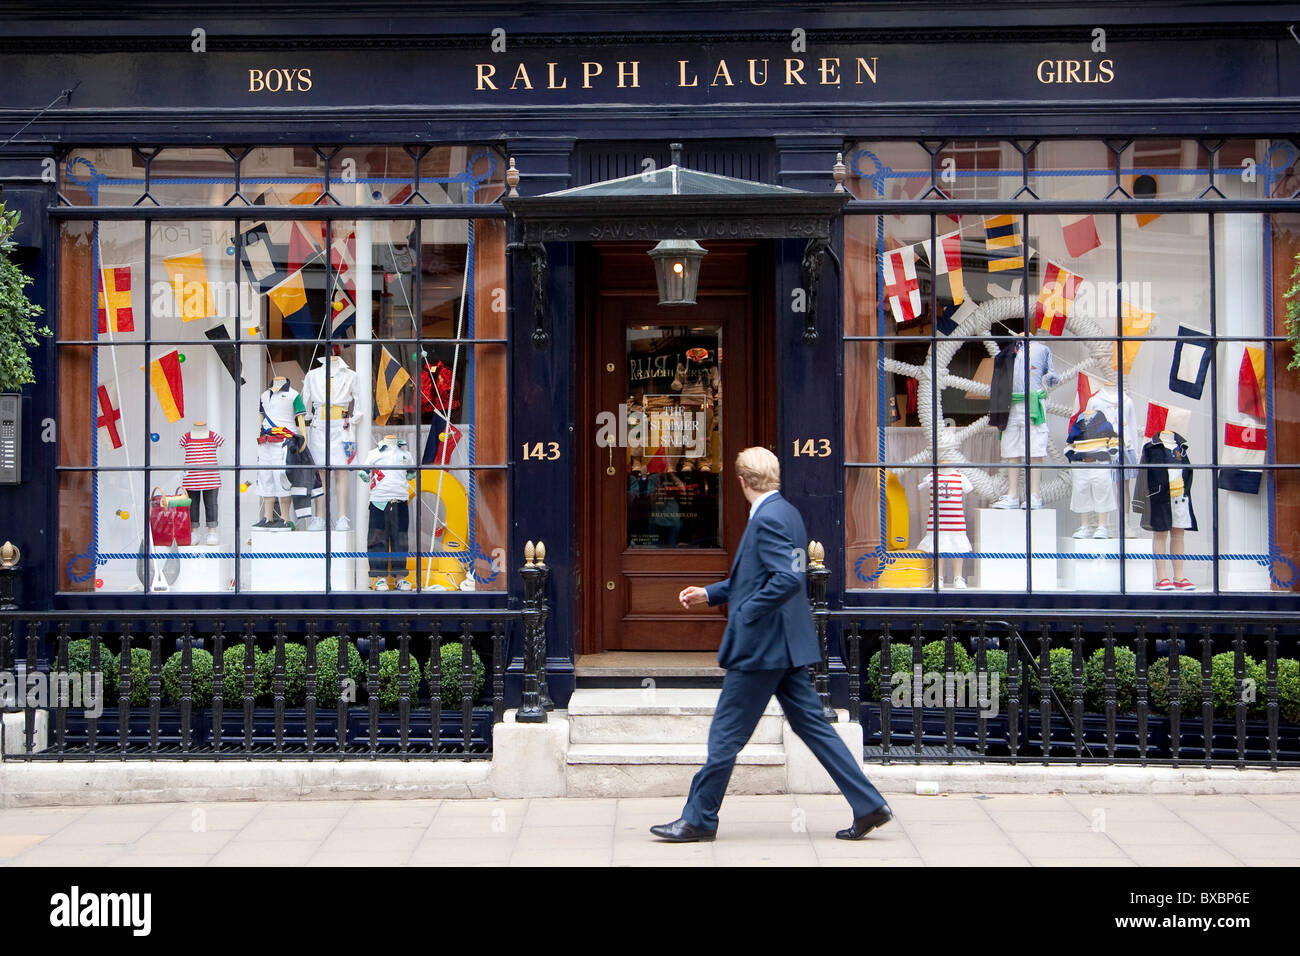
(201, 452)
(952, 514)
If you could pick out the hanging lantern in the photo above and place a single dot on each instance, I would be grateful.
(677, 266)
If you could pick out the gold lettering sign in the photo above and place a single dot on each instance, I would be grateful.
(279, 80)
(1075, 71)
(722, 72)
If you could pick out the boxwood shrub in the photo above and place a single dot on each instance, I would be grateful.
(79, 663)
(200, 678)
(1190, 692)
(1094, 681)
(1288, 691)
(1224, 681)
(389, 691)
(450, 663)
(232, 680)
(327, 669)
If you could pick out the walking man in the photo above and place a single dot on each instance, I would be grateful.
(769, 642)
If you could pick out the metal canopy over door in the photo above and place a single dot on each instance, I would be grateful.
(680, 386)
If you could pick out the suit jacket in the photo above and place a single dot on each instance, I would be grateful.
(770, 622)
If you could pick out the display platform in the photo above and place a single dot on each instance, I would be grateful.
(1102, 573)
(295, 561)
(1003, 532)
(202, 570)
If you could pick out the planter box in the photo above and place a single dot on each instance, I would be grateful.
(106, 734)
(965, 729)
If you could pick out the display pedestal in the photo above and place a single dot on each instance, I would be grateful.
(201, 570)
(1003, 532)
(298, 561)
(1102, 573)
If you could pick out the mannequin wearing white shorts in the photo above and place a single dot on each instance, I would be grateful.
(1091, 443)
(331, 416)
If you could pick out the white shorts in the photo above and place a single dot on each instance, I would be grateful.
(340, 433)
(1013, 436)
(1093, 489)
(272, 479)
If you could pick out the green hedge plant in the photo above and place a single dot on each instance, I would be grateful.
(1190, 693)
(232, 680)
(1094, 681)
(200, 678)
(389, 689)
(327, 670)
(450, 662)
(79, 663)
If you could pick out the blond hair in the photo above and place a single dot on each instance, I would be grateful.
(760, 469)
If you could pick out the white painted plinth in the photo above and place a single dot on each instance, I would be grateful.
(288, 571)
(1004, 532)
(529, 760)
(1102, 573)
(803, 771)
(15, 732)
(201, 570)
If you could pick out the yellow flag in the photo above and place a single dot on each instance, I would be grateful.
(1134, 322)
(188, 277)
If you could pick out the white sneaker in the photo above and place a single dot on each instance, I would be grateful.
(404, 585)
(1035, 502)
(1007, 503)
(1101, 532)
(1083, 531)
(343, 524)
(213, 540)
(317, 523)
(959, 583)
(381, 584)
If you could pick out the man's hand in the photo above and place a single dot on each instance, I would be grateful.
(692, 596)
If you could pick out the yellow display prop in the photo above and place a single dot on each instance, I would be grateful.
(446, 573)
(896, 519)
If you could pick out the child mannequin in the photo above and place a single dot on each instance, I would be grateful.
(201, 444)
(388, 469)
(1164, 497)
(283, 422)
(1013, 412)
(952, 518)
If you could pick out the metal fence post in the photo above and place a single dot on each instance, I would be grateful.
(533, 572)
(818, 579)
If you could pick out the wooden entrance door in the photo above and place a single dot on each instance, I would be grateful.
(673, 393)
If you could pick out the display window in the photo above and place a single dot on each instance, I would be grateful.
(1069, 402)
(278, 404)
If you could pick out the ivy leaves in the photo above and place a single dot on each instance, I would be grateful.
(18, 329)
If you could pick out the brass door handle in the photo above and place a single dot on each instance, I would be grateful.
(610, 469)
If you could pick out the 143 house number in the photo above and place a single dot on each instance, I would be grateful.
(542, 450)
(812, 448)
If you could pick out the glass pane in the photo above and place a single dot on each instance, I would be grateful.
(1072, 169)
(674, 454)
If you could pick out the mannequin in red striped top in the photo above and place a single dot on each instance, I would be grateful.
(952, 485)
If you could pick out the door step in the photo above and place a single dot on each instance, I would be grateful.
(662, 669)
(655, 715)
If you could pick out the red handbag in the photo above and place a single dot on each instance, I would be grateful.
(169, 519)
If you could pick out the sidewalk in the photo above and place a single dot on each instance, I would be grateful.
(957, 830)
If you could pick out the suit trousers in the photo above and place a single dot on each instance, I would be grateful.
(744, 696)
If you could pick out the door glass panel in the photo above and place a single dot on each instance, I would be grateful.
(674, 415)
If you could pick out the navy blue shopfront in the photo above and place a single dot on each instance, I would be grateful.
(410, 121)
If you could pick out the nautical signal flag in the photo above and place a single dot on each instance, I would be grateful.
(343, 256)
(1002, 243)
(1171, 418)
(1191, 364)
(260, 259)
(188, 277)
(168, 386)
(1133, 323)
(442, 442)
(1060, 286)
(1244, 447)
(901, 288)
(1080, 233)
(290, 297)
(108, 416)
(114, 312)
(1250, 382)
(342, 314)
(945, 260)
(390, 381)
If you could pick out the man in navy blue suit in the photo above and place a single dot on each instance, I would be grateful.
(766, 648)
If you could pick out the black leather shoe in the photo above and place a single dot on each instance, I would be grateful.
(679, 831)
(865, 824)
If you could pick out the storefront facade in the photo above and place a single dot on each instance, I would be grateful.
(260, 238)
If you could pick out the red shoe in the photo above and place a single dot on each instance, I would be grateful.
(1182, 584)
(1164, 584)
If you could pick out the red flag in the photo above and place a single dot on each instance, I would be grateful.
(108, 417)
(1080, 234)
(114, 313)
(901, 287)
(1243, 444)
(1250, 382)
(1055, 299)
(1167, 418)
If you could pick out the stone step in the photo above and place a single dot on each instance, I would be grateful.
(653, 716)
(665, 770)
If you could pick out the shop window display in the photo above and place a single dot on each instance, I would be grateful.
(264, 373)
(1093, 389)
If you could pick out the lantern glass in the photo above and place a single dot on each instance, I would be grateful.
(677, 267)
